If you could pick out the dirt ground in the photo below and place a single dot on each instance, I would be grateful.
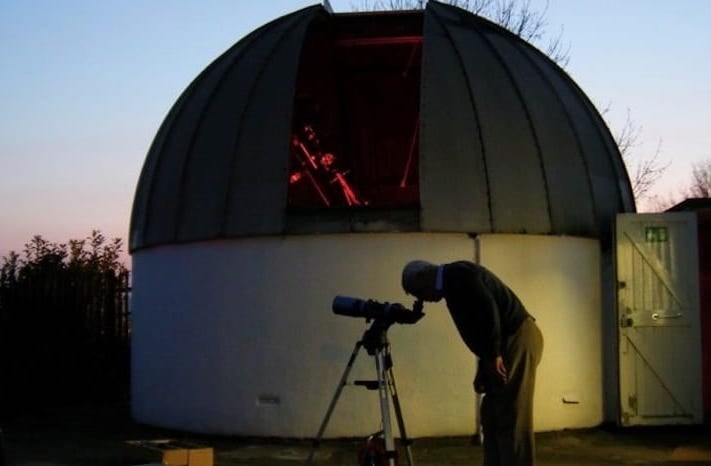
(98, 436)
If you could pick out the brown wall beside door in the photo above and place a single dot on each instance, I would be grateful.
(702, 207)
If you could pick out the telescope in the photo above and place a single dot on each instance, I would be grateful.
(375, 341)
(370, 309)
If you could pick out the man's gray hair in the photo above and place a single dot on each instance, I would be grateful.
(411, 270)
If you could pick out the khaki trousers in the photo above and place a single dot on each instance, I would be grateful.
(507, 409)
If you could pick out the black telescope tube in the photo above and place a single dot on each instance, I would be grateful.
(347, 306)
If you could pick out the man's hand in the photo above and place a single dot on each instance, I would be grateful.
(501, 369)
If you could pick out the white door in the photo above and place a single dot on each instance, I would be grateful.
(658, 319)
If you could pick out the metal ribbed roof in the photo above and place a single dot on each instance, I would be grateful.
(508, 143)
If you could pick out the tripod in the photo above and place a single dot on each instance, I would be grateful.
(375, 341)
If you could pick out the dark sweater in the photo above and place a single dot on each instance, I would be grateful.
(483, 308)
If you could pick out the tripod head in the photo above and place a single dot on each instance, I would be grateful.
(376, 336)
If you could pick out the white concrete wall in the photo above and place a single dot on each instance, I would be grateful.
(238, 337)
(558, 280)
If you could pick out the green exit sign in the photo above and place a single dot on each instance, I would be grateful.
(656, 234)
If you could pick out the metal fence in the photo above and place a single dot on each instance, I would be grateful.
(64, 338)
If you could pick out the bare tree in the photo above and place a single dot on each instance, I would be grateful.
(701, 179)
(515, 15)
(699, 187)
(389, 5)
(644, 171)
(660, 202)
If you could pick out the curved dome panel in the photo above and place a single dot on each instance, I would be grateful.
(503, 141)
(509, 143)
(218, 163)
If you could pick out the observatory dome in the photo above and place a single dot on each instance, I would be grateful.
(315, 157)
(434, 120)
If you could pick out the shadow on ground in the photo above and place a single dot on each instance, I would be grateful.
(98, 436)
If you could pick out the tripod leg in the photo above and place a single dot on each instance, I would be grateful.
(383, 388)
(332, 406)
(406, 442)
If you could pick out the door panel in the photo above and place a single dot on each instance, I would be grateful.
(659, 326)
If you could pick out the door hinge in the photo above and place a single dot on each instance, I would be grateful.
(626, 320)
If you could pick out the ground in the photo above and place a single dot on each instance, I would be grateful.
(94, 435)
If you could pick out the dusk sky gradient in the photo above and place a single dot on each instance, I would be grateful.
(85, 85)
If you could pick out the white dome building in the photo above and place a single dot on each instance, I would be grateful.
(313, 159)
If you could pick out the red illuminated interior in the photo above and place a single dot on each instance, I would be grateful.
(356, 113)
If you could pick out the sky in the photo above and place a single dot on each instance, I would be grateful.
(85, 85)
